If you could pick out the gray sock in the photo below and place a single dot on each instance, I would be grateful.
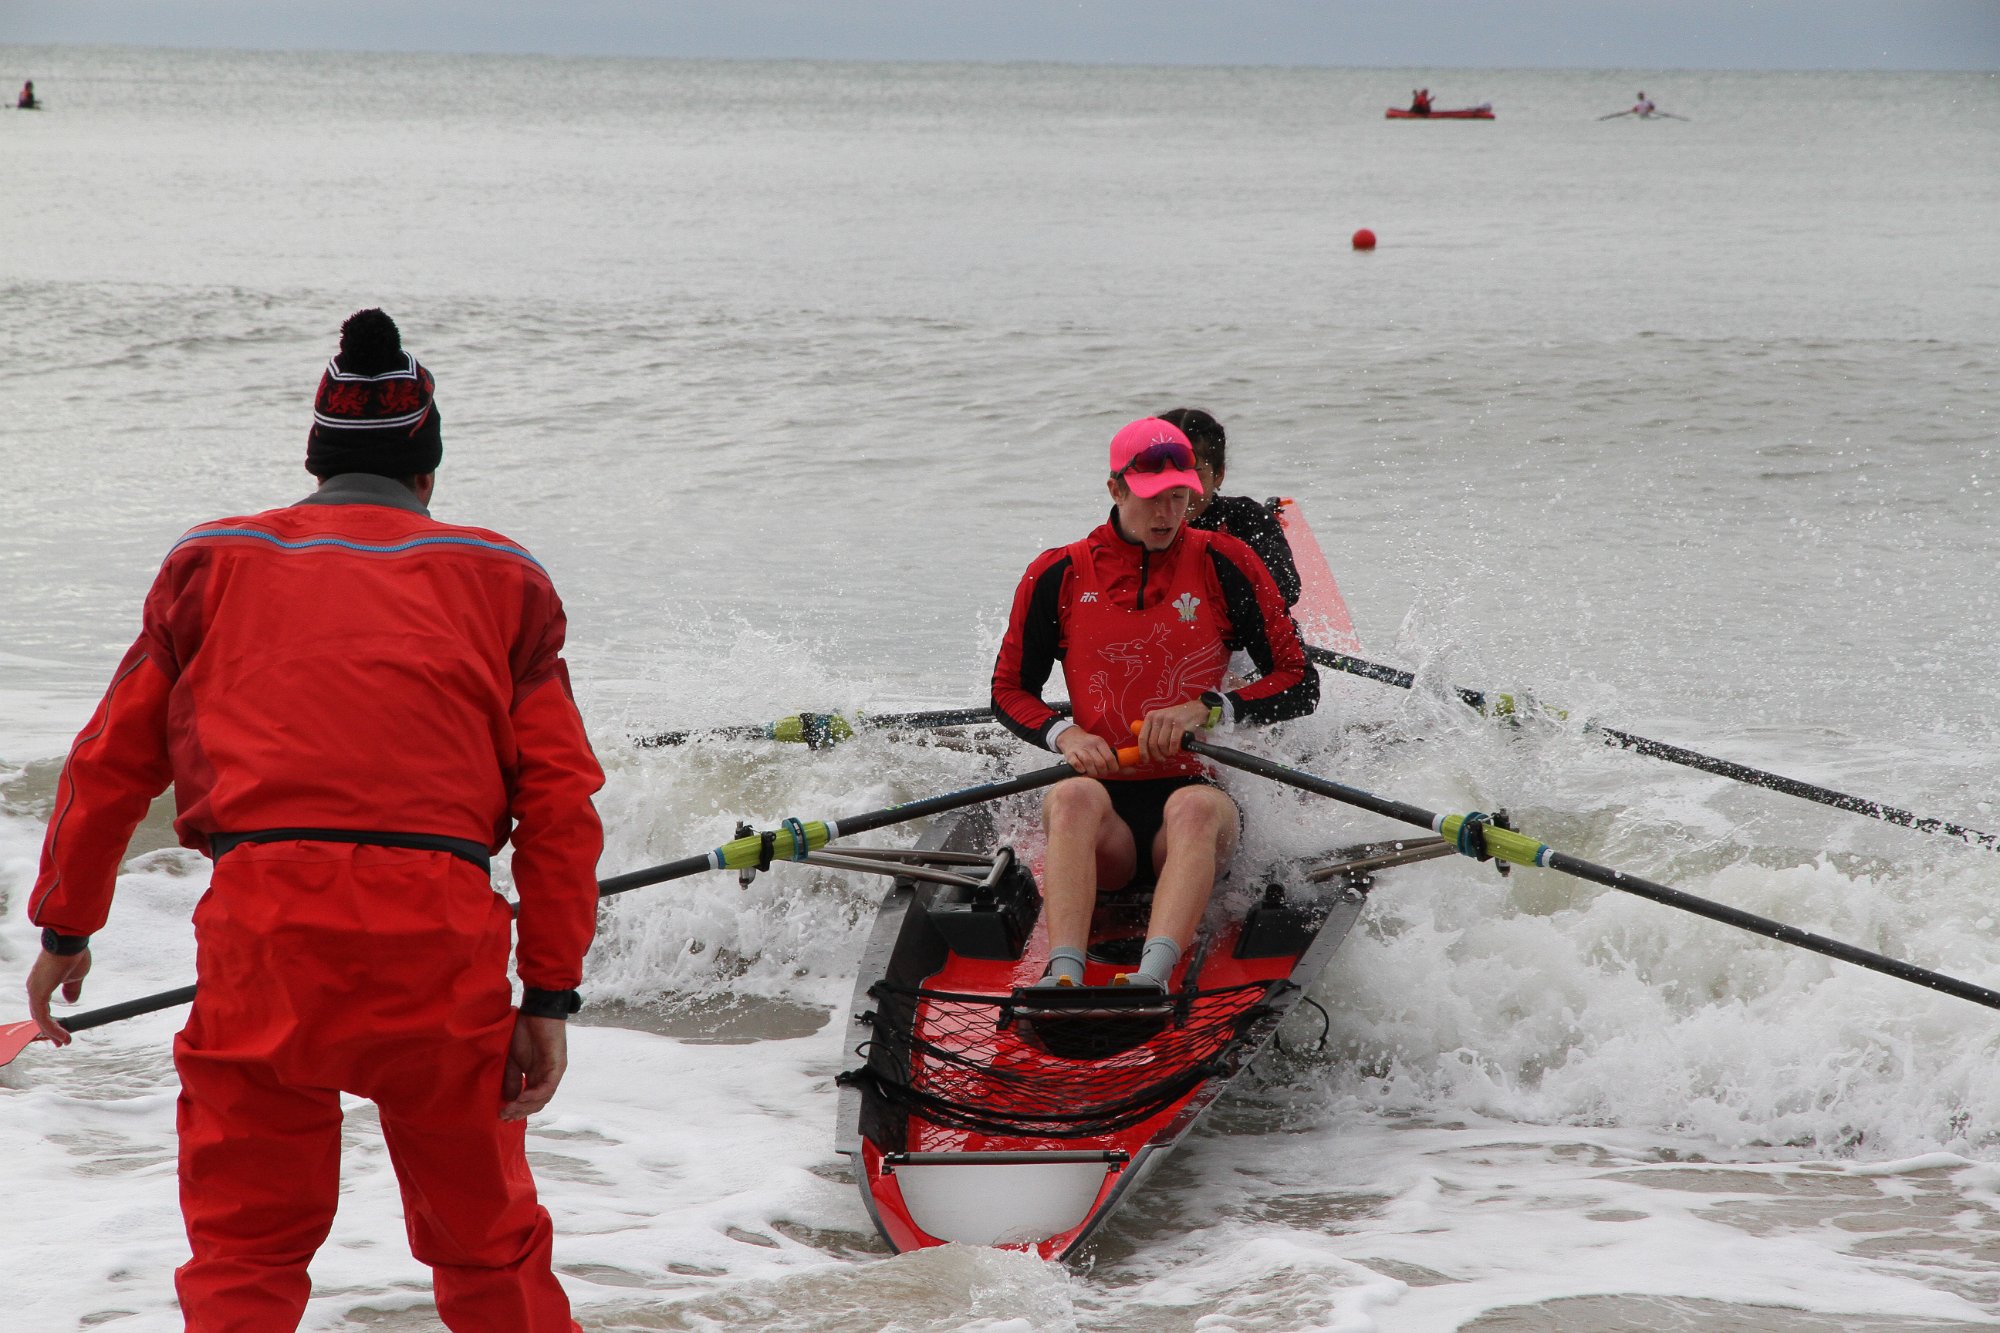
(1159, 958)
(1066, 962)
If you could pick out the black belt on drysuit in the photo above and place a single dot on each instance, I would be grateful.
(463, 848)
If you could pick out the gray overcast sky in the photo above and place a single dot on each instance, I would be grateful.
(1616, 34)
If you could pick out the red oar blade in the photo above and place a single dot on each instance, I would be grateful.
(14, 1038)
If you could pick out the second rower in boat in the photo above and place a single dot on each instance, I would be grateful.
(1240, 516)
(1644, 106)
(1143, 614)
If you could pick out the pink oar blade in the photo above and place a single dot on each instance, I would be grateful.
(1321, 610)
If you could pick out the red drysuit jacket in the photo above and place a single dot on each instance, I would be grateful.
(352, 666)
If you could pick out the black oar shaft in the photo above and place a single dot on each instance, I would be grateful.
(1777, 930)
(639, 879)
(1758, 777)
(932, 805)
(681, 869)
(1388, 675)
(742, 732)
(1609, 878)
(1304, 781)
(1676, 754)
(112, 1013)
(862, 823)
(816, 729)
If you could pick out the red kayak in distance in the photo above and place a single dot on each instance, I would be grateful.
(1482, 112)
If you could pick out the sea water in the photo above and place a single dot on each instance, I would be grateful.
(786, 370)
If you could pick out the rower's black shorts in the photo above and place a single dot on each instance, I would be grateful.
(1142, 804)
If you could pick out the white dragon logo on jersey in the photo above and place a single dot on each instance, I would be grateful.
(1137, 660)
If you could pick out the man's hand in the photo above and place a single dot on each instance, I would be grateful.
(50, 971)
(1160, 734)
(1087, 752)
(536, 1059)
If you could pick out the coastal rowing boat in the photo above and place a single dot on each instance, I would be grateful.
(1482, 112)
(988, 1112)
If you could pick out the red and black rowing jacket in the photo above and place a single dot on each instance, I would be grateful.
(343, 666)
(1138, 630)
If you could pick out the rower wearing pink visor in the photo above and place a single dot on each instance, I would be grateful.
(1143, 614)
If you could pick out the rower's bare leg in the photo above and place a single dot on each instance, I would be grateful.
(1088, 846)
(1198, 831)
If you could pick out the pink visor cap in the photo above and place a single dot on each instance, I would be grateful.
(1151, 456)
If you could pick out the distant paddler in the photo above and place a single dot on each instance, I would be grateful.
(1645, 109)
(27, 101)
(1143, 613)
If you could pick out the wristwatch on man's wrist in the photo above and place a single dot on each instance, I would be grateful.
(63, 946)
(1214, 702)
(550, 1003)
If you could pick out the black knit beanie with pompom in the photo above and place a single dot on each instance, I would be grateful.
(374, 410)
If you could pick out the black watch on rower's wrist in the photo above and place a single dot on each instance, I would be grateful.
(550, 1003)
(1214, 702)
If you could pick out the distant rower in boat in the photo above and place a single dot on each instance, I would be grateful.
(27, 100)
(1143, 614)
(1420, 101)
(1644, 106)
(1240, 516)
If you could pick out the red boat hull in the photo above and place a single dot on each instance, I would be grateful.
(928, 1184)
(1460, 113)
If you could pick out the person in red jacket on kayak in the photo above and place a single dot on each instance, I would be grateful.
(356, 706)
(1143, 614)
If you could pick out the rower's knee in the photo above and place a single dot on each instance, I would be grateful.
(1200, 814)
(1076, 803)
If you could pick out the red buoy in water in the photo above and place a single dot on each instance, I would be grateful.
(1364, 239)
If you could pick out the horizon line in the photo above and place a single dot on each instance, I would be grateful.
(994, 61)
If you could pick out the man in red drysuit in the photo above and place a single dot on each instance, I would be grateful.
(1143, 614)
(356, 706)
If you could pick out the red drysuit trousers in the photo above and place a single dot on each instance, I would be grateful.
(326, 968)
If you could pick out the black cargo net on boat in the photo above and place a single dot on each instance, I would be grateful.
(961, 1061)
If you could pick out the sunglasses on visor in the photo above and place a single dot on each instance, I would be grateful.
(1164, 456)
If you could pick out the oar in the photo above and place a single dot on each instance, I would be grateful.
(1475, 837)
(822, 729)
(1506, 705)
(792, 840)
(815, 730)
(14, 1037)
(1614, 115)
(1669, 115)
